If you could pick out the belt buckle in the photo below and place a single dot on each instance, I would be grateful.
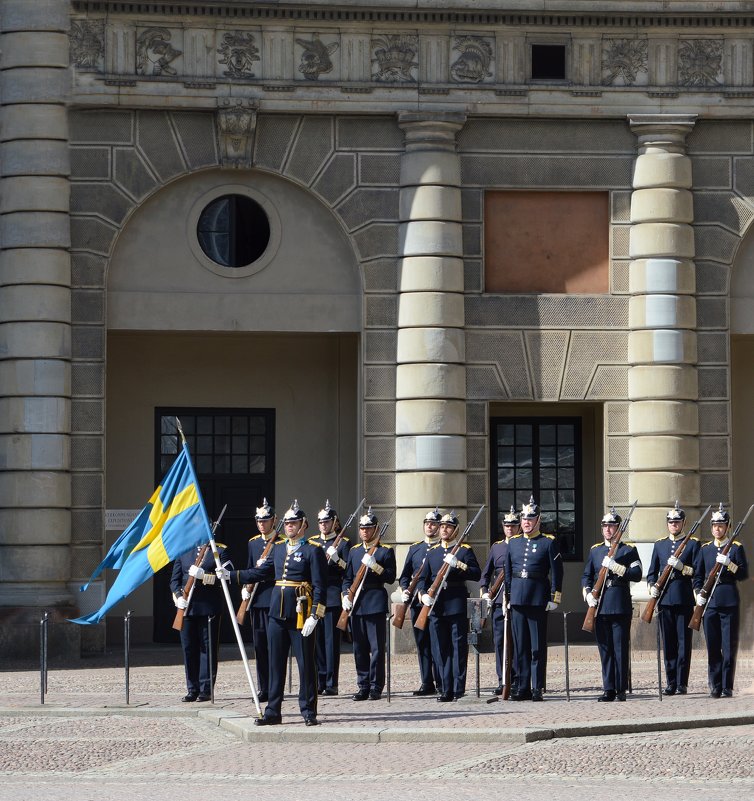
(524, 573)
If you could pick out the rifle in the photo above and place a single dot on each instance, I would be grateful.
(596, 591)
(358, 583)
(507, 649)
(712, 580)
(662, 581)
(438, 583)
(493, 592)
(188, 590)
(342, 532)
(400, 610)
(252, 588)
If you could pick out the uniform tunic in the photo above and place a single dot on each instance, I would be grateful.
(258, 611)
(613, 622)
(422, 637)
(448, 619)
(534, 576)
(299, 572)
(722, 612)
(675, 607)
(369, 615)
(493, 566)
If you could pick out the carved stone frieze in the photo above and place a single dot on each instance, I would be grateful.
(395, 57)
(700, 62)
(238, 53)
(154, 53)
(624, 62)
(473, 63)
(236, 124)
(87, 38)
(315, 58)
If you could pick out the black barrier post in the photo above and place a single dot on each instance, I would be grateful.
(565, 647)
(127, 654)
(210, 654)
(630, 660)
(389, 672)
(659, 658)
(43, 625)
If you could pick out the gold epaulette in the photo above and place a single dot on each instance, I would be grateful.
(256, 537)
(385, 545)
(627, 542)
(418, 542)
(314, 542)
(516, 536)
(549, 536)
(464, 545)
(596, 545)
(709, 542)
(696, 539)
(221, 545)
(432, 547)
(498, 542)
(736, 542)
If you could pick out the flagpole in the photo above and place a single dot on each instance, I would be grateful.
(226, 593)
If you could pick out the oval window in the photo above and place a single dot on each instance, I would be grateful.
(233, 231)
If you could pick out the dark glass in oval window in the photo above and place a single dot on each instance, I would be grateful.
(233, 231)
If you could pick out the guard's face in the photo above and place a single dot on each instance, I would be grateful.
(510, 530)
(675, 527)
(447, 531)
(528, 524)
(265, 526)
(431, 528)
(325, 526)
(719, 530)
(294, 529)
(366, 533)
(609, 530)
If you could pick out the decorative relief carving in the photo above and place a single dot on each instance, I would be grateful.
(154, 52)
(395, 57)
(239, 52)
(624, 61)
(315, 59)
(236, 124)
(88, 44)
(700, 62)
(473, 65)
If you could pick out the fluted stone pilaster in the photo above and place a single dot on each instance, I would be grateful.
(431, 376)
(663, 422)
(35, 308)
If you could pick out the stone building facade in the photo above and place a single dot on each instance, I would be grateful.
(501, 249)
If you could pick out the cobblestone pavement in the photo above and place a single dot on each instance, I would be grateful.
(84, 744)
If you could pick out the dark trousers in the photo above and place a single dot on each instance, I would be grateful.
(612, 632)
(195, 644)
(283, 636)
(369, 650)
(328, 649)
(677, 639)
(498, 638)
(423, 640)
(450, 643)
(261, 647)
(721, 632)
(529, 626)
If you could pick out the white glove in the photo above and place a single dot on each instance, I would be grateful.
(613, 566)
(309, 625)
(208, 578)
(331, 551)
(427, 599)
(450, 559)
(260, 561)
(222, 573)
(592, 601)
(245, 594)
(180, 602)
(196, 572)
(551, 606)
(346, 603)
(675, 563)
(654, 592)
(700, 599)
(368, 560)
(723, 559)
(486, 596)
(405, 596)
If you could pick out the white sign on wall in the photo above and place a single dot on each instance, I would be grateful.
(120, 519)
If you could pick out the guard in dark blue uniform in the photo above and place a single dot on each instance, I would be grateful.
(677, 603)
(448, 619)
(328, 633)
(493, 566)
(533, 580)
(422, 637)
(260, 596)
(206, 601)
(613, 622)
(297, 604)
(369, 615)
(722, 613)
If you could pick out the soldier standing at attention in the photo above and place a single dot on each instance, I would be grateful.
(721, 617)
(328, 634)
(448, 619)
(677, 603)
(612, 626)
(369, 617)
(297, 604)
(260, 603)
(534, 580)
(422, 637)
(495, 563)
(206, 601)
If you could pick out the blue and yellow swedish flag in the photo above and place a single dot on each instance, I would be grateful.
(173, 521)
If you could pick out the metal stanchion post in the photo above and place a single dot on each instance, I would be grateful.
(659, 658)
(127, 650)
(630, 677)
(565, 648)
(43, 624)
(389, 672)
(210, 654)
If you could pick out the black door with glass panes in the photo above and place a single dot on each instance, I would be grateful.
(539, 456)
(233, 451)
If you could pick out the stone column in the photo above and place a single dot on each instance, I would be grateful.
(662, 377)
(35, 313)
(430, 417)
